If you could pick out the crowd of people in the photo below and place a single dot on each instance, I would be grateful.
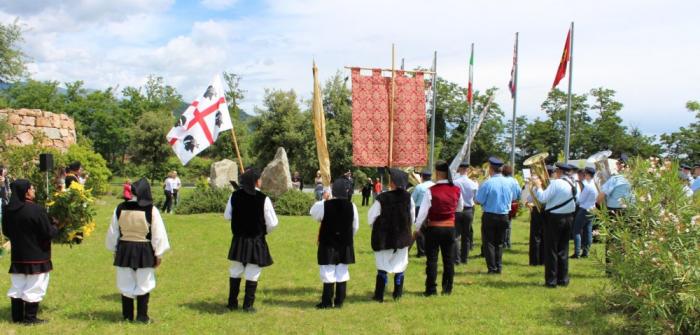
(437, 215)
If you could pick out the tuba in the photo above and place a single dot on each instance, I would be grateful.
(413, 178)
(538, 167)
(603, 172)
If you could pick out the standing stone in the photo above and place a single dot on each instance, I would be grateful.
(276, 178)
(222, 172)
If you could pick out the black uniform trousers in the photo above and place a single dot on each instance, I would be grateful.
(557, 232)
(536, 253)
(439, 239)
(463, 224)
(420, 239)
(494, 229)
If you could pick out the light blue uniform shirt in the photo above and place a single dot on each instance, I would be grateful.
(468, 188)
(695, 186)
(557, 193)
(419, 191)
(616, 188)
(516, 187)
(496, 194)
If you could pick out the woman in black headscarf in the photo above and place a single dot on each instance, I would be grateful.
(29, 229)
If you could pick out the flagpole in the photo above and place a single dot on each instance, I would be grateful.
(469, 109)
(567, 141)
(391, 105)
(235, 145)
(432, 114)
(515, 100)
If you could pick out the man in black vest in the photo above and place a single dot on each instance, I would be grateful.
(27, 226)
(252, 217)
(339, 223)
(391, 218)
(138, 239)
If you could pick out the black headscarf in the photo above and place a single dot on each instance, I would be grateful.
(142, 191)
(399, 178)
(341, 188)
(19, 188)
(248, 179)
(443, 166)
(75, 166)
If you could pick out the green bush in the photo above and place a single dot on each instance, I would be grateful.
(654, 249)
(93, 164)
(204, 199)
(293, 202)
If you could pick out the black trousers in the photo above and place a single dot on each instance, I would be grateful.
(365, 199)
(463, 224)
(168, 204)
(557, 232)
(494, 228)
(420, 239)
(536, 237)
(439, 239)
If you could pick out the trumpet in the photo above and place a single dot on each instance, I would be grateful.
(539, 168)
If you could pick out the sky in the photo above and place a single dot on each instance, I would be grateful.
(645, 50)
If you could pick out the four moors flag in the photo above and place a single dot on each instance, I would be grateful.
(200, 125)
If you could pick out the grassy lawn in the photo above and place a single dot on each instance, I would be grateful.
(193, 287)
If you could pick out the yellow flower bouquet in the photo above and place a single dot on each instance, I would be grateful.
(74, 210)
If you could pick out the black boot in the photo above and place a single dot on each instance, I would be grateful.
(379, 286)
(249, 298)
(17, 310)
(142, 308)
(398, 286)
(30, 311)
(128, 308)
(327, 296)
(234, 289)
(340, 292)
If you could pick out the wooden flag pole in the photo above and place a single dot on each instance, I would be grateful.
(391, 105)
(238, 152)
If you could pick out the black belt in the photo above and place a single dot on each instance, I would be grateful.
(494, 214)
(467, 208)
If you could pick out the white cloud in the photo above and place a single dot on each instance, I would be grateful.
(219, 4)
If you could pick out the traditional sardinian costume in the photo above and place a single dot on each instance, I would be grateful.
(339, 223)
(29, 229)
(252, 217)
(391, 218)
(72, 174)
(137, 236)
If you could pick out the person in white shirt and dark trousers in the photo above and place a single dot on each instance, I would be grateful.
(583, 222)
(464, 219)
(560, 197)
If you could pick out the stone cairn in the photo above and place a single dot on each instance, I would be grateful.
(58, 130)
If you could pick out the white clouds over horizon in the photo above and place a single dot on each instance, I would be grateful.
(645, 50)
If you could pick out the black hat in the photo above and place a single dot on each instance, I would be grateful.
(341, 188)
(563, 166)
(464, 164)
(142, 191)
(248, 179)
(623, 158)
(399, 178)
(75, 166)
(550, 168)
(685, 166)
(495, 161)
(19, 188)
(589, 170)
(442, 166)
(426, 172)
(573, 167)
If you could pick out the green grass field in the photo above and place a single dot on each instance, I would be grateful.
(193, 286)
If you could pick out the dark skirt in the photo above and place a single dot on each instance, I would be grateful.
(250, 250)
(333, 255)
(135, 255)
(31, 268)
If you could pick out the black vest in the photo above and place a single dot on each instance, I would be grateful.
(336, 226)
(248, 214)
(392, 229)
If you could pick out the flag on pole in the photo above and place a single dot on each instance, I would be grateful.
(470, 88)
(511, 83)
(319, 120)
(561, 71)
(201, 123)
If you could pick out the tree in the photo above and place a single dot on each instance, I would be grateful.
(685, 141)
(12, 59)
(149, 145)
(42, 95)
(278, 124)
(607, 133)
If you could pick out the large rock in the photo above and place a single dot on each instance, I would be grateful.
(222, 172)
(276, 178)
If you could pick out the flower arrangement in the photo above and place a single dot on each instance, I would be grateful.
(654, 251)
(74, 211)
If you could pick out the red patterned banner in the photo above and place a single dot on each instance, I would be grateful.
(370, 120)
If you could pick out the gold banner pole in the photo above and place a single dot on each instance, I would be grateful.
(235, 145)
(391, 105)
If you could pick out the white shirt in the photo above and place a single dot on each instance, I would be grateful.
(176, 183)
(558, 192)
(587, 197)
(427, 202)
(271, 220)
(376, 210)
(171, 184)
(159, 237)
(317, 211)
(468, 188)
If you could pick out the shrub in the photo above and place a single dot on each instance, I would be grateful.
(293, 202)
(655, 252)
(93, 164)
(204, 199)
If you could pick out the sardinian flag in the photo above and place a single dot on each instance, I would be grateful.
(200, 125)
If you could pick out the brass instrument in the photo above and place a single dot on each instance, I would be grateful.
(413, 178)
(603, 171)
(538, 167)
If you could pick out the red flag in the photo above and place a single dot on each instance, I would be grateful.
(470, 88)
(561, 71)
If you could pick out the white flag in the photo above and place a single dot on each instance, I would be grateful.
(202, 122)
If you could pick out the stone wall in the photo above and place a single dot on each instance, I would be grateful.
(58, 129)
